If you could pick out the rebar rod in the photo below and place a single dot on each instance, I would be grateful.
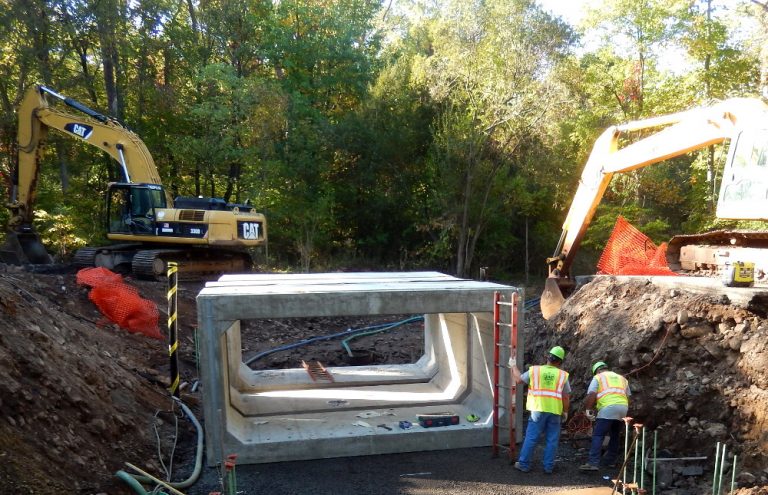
(626, 452)
(717, 458)
(720, 475)
(623, 468)
(642, 460)
(653, 484)
(634, 467)
(733, 474)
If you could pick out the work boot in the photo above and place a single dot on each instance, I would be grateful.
(587, 467)
(519, 467)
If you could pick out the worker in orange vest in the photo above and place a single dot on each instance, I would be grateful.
(609, 393)
(548, 402)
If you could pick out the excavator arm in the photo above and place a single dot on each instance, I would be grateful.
(36, 117)
(678, 134)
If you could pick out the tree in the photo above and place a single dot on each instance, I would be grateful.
(492, 71)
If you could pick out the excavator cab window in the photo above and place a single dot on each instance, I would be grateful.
(131, 208)
(744, 189)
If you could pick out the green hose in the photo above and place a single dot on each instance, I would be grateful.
(345, 342)
(132, 482)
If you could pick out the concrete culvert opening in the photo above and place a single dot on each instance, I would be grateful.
(341, 341)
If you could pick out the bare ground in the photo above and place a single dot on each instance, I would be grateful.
(79, 396)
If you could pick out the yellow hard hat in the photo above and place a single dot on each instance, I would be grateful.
(558, 352)
(597, 366)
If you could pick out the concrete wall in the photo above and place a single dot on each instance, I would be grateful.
(282, 415)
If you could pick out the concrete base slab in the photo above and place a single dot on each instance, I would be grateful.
(315, 436)
(282, 415)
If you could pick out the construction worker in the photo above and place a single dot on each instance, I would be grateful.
(609, 392)
(548, 403)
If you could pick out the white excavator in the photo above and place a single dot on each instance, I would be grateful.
(145, 226)
(743, 195)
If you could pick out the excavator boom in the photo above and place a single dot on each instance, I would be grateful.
(677, 134)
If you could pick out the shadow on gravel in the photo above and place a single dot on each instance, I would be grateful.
(460, 471)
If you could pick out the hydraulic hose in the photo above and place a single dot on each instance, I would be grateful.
(347, 332)
(345, 344)
(131, 482)
(198, 459)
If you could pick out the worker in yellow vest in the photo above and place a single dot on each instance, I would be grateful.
(609, 393)
(548, 403)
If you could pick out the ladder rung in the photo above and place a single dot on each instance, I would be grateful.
(504, 324)
(505, 387)
(504, 345)
(505, 303)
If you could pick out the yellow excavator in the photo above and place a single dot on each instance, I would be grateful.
(146, 227)
(743, 195)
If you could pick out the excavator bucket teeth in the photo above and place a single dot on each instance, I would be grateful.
(551, 299)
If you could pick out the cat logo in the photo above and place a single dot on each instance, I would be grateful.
(81, 130)
(250, 230)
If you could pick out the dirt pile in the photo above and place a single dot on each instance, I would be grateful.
(78, 394)
(696, 365)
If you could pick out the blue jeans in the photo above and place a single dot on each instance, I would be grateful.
(602, 427)
(538, 423)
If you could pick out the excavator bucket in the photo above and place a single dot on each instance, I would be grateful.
(553, 296)
(22, 248)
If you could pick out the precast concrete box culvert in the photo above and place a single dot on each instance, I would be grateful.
(299, 413)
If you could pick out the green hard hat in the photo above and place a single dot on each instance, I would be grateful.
(597, 366)
(558, 352)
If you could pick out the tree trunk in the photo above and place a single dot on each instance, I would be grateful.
(461, 253)
(527, 255)
(107, 20)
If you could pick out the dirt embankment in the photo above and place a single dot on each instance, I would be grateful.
(78, 394)
(696, 366)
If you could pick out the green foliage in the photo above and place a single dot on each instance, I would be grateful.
(409, 135)
(58, 233)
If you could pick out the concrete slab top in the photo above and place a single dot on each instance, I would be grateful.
(342, 282)
(340, 294)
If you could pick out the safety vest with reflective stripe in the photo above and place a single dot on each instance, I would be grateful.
(545, 389)
(611, 389)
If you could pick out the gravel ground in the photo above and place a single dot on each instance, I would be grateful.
(459, 471)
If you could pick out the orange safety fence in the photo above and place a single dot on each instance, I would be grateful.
(120, 302)
(630, 252)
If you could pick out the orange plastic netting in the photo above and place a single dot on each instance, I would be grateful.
(120, 302)
(630, 252)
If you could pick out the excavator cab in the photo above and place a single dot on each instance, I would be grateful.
(744, 188)
(131, 208)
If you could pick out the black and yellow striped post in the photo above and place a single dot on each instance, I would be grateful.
(173, 334)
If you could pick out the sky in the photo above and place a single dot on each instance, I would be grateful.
(571, 11)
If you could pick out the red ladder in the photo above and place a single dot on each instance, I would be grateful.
(505, 319)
